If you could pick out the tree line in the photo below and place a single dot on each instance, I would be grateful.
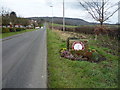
(10, 18)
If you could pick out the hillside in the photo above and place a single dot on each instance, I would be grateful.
(59, 20)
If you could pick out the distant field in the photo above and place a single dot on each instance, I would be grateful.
(54, 24)
(111, 30)
(62, 25)
(83, 27)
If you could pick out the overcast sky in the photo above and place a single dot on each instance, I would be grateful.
(41, 8)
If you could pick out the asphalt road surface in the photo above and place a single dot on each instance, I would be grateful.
(24, 63)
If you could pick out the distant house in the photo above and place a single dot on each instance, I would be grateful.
(8, 26)
(37, 27)
(19, 26)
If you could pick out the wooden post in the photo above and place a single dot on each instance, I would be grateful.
(68, 44)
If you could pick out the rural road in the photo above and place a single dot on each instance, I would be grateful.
(24, 60)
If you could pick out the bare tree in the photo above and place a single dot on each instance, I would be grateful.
(4, 13)
(13, 18)
(100, 10)
(24, 21)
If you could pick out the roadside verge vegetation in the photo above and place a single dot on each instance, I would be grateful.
(64, 73)
(7, 34)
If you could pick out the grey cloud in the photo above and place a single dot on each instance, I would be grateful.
(73, 5)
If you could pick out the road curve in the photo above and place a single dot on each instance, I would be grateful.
(24, 62)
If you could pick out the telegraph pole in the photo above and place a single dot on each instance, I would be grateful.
(63, 16)
(119, 13)
(52, 16)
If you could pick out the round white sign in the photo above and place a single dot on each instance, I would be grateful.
(78, 46)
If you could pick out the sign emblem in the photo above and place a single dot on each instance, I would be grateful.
(78, 46)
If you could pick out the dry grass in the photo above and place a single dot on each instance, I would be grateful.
(65, 35)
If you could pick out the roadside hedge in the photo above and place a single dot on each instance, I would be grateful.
(6, 30)
(19, 29)
(112, 31)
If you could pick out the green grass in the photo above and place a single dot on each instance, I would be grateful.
(62, 25)
(0, 33)
(64, 73)
(3, 35)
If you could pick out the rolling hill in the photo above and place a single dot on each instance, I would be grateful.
(59, 20)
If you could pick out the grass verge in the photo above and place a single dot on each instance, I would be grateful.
(3, 35)
(64, 73)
